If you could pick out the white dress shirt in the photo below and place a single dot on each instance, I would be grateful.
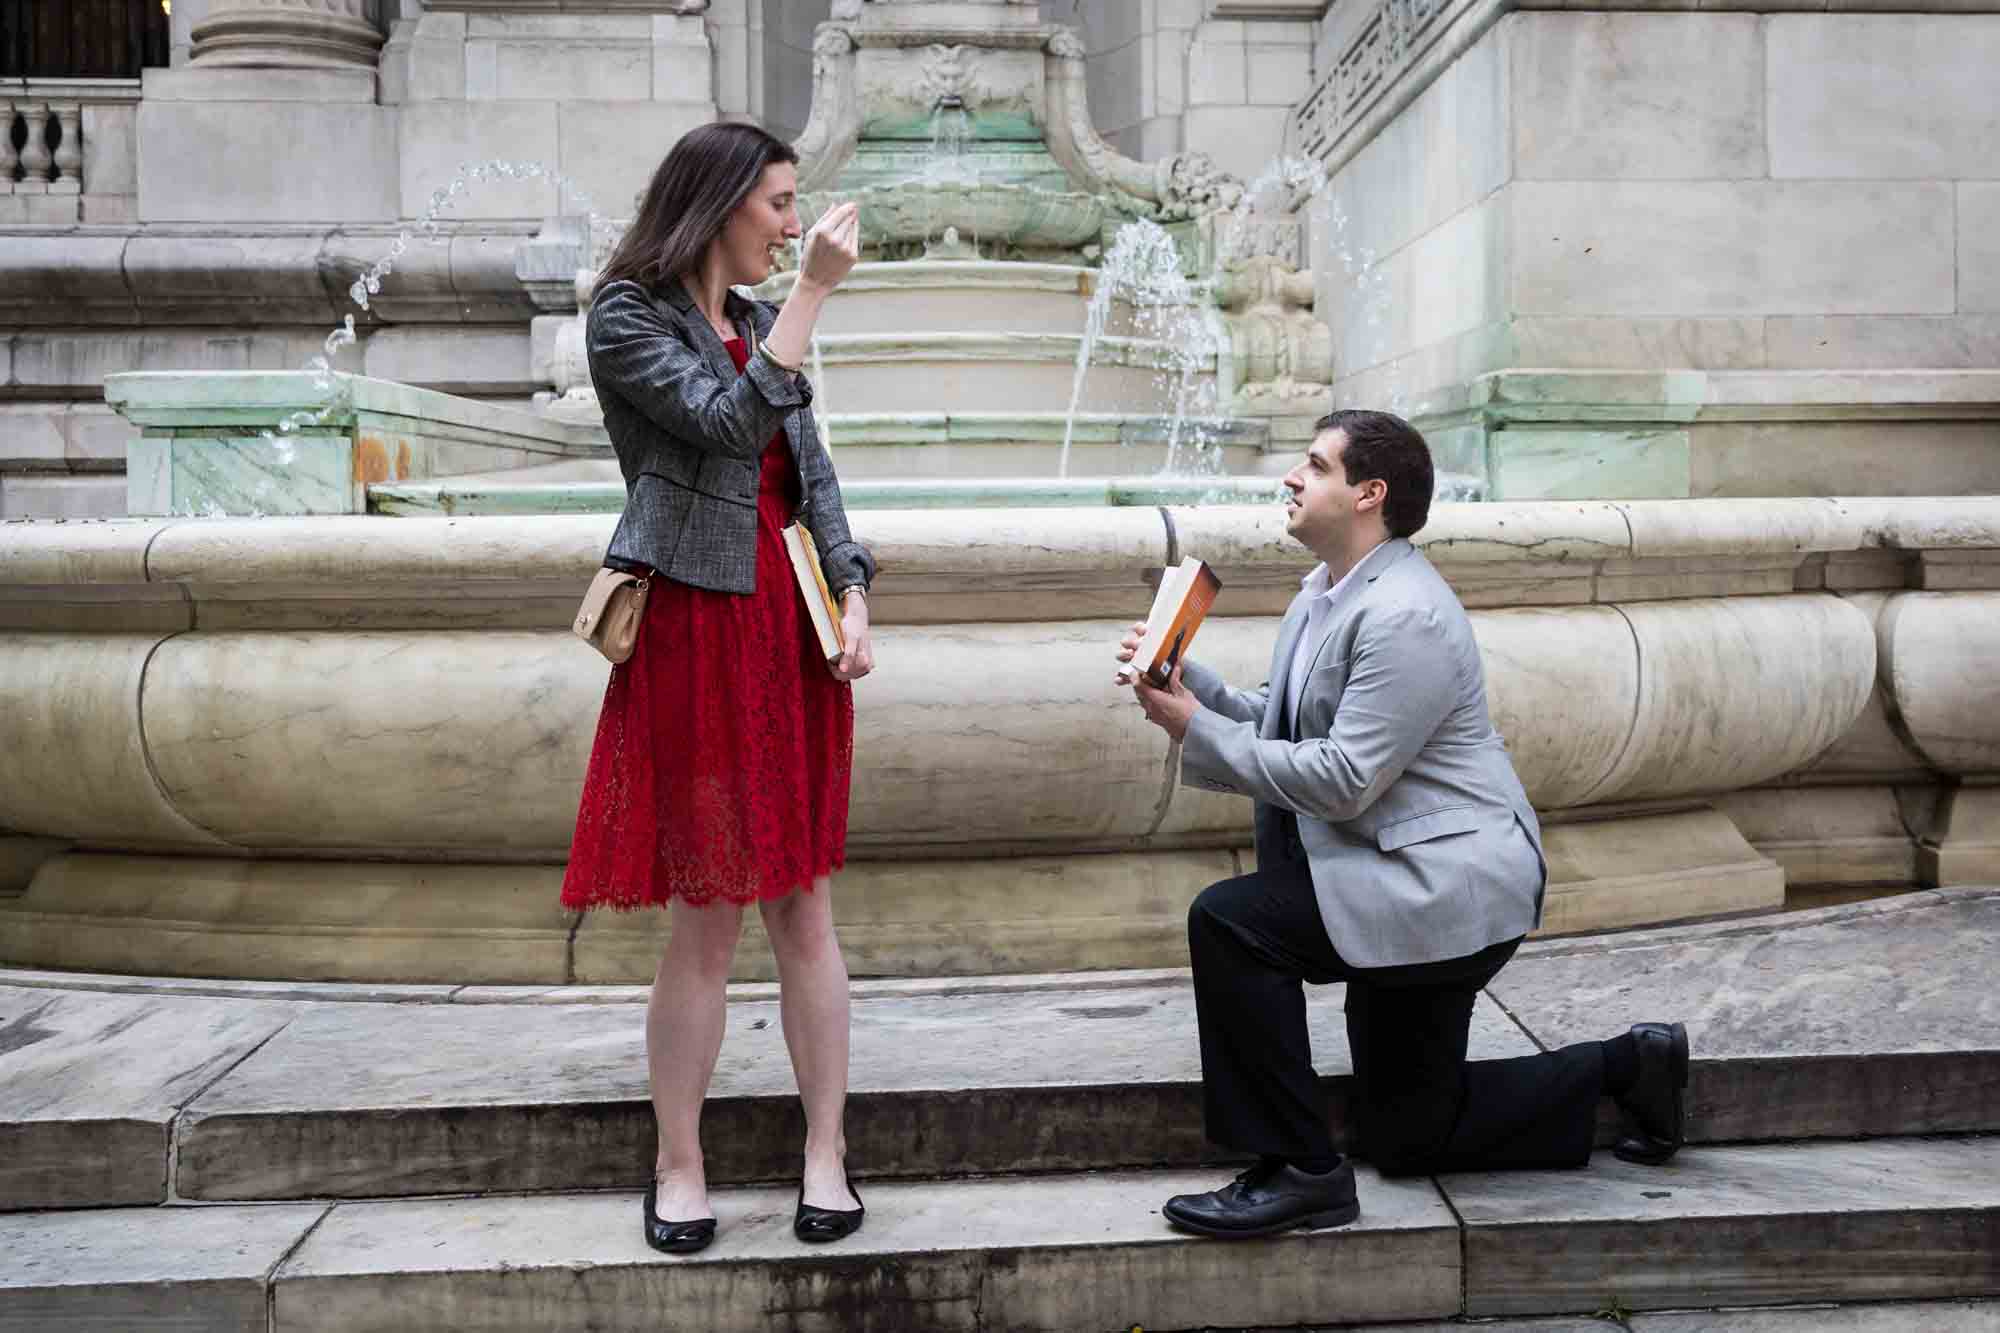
(1320, 584)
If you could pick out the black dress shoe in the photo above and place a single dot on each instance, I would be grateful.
(1654, 1106)
(675, 1237)
(1268, 1198)
(818, 1225)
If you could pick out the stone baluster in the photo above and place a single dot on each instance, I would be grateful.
(69, 148)
(289, 34)
(35, 159)
(9, 158)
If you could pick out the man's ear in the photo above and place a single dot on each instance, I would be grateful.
(1374, 494)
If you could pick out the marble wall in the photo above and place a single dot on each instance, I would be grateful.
(1680, 189)
(1217, 78)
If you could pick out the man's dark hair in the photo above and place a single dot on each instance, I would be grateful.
(701, 181)
(1382, 446)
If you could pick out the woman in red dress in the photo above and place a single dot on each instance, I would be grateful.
(719, 776)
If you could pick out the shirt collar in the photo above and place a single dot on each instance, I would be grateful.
(1319, 583)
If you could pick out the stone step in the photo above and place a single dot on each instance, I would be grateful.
(60, 495)
(534, 496)
(1972, 1316)
(1862, 1019)
(995, 372)
(901, 297)
(1905, 1220)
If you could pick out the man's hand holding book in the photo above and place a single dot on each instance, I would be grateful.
(1152, 651)
(1169, 708)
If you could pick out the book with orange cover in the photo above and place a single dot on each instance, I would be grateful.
(1186, 592)
(811, 578)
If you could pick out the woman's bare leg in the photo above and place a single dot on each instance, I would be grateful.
(812, 1003)
(684, 1021)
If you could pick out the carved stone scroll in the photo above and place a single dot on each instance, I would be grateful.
(834, 124)
(1182, 186)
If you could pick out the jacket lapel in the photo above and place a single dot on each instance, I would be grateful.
(1365, 573)
(746, 316)
(1278, 721)
(1289, 629)
(699, 331)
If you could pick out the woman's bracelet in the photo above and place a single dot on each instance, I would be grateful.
(772, 357)
(841, 596)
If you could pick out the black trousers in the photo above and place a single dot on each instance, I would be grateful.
(1418, 1106)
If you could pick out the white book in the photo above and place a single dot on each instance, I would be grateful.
(1186, 592)
(812, 587)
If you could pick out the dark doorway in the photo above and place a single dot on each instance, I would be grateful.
(82, 39)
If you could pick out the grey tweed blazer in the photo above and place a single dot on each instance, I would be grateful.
(1421, 841)
(689, 433)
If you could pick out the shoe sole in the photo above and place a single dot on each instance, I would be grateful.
(1658, 1152)
(1332, 1217)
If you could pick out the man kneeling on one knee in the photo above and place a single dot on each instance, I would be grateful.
(1397, 852)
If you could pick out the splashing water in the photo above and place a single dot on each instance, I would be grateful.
(1278, 191)
(330, 384)
(950, 130)
(1281, 190)
(1143, 266)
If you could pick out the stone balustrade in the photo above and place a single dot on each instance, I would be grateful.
(217, 718)
(60, 158)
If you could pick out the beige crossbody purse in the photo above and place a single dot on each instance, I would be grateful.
(609, 618)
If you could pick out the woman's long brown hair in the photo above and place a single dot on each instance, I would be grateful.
(701, 181)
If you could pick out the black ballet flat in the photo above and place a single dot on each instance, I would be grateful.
(816, 1226)
(675, 1237)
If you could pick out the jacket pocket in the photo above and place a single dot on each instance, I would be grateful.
(676, 465)
(1431, 824)
(728, 479)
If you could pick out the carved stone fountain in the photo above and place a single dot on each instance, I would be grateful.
(1032, 179)
(990, 338)
(988, 200)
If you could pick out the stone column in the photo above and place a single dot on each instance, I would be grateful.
(293, 34)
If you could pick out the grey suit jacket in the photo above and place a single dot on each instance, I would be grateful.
(1420, 837)
(690, 433)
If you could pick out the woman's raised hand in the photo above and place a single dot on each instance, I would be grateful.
(832, 246)
(826, 253)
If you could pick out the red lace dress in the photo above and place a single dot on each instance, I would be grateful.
(723, 753)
